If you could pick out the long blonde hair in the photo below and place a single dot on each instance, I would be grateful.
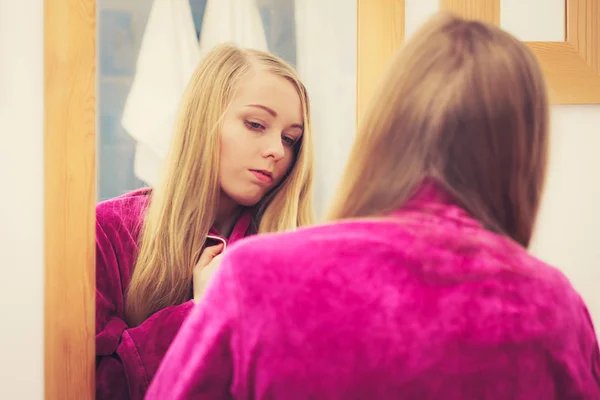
(183, 206)
(463, 103)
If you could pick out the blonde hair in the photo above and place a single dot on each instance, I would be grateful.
(464, 104)
(183, 207)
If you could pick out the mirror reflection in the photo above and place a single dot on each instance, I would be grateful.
(218, 120)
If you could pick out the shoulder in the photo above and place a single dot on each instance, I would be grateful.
(463, 258)
(300, 255)
(479, 272)
(126, 209)
(298, 242)
(118, 223)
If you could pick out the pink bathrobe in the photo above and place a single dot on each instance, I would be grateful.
(126, 359)
(425, 304)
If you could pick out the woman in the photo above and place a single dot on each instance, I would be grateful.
(240, 163)
(423, 287)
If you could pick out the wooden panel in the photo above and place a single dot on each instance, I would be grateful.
(570, 79)
(483, 10)
(583, 31)
(69, 175)
(380, 30)
(572, 67)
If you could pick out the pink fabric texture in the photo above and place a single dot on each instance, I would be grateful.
(126, 359)
(422, 304)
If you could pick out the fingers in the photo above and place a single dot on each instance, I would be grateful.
(204, 272)
(212, 266)
(213, 251)
(208, 254)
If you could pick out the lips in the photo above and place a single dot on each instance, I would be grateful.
(262, 175)
(265, 173)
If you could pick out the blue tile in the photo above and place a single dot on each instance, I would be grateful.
(116, 53)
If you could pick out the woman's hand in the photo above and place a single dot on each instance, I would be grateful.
(205, 269)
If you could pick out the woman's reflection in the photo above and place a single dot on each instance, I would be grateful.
(240, 163)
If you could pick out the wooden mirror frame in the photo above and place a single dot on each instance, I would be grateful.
(380, 31)
(70, 197)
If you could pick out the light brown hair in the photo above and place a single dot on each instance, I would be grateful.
(464, 103)
(183, 206)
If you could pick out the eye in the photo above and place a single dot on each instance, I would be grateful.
(254, 126)
(288, 141)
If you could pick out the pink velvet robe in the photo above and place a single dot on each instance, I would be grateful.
(425, 304)
(127, 358)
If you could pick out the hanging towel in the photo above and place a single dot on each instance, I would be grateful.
(147, 164)
(168, 56)
(235, 21)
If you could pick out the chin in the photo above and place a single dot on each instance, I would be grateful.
(248, 201)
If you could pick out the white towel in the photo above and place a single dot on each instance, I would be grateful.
(147, 164)
(236, 21)
(168, 56)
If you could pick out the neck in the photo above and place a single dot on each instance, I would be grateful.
(227, 214)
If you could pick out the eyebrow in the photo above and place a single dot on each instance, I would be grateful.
(273, 113)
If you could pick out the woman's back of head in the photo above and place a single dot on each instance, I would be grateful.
(464, 103)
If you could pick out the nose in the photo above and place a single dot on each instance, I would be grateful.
(273, 147)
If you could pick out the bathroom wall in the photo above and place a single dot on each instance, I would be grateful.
(22, 200)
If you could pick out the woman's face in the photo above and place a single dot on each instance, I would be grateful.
(260, 130)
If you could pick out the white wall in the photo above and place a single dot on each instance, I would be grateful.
(567, 234)
(21, 202)
(567, 231)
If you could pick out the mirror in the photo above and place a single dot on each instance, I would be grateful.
(93, 48)
(147, 52)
